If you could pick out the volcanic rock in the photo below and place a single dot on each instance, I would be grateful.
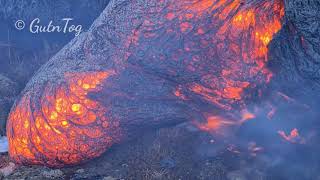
(8, 170)
(8, 91)
(53, 174)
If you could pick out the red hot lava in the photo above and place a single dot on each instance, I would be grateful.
(214, 49)
(64, 127)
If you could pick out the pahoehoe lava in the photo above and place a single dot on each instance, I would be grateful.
(142, 64)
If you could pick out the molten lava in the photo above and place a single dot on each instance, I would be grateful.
(215, 123)
(209, 51)
(225, 45)
(66, 127)
(236, 54)
(242, 41)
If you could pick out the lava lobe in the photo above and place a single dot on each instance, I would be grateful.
(143, 64)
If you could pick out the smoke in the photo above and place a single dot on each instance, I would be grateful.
(3, 144)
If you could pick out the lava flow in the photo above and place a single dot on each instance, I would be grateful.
(198, 57)
(241, 44)
(236, 53)
(66, 127)
(217, 51)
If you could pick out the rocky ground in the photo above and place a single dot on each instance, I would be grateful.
(181, 152)
(172, 153)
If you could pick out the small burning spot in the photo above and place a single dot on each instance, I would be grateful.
(189, 16)
(200, 31)
(244, 19)
(246, 115)
(215, 124)
(185, 26)
(233, 92)
(293, 137)
(178, 93)
(200, 7)
(170, 16)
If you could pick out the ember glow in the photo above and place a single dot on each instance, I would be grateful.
(293, 137)
(215, 123)
(66, 128)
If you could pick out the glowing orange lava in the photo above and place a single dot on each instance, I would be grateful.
(217, 49)
(66, 127)
(246, 116)
(215, 124)
(241, 42)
